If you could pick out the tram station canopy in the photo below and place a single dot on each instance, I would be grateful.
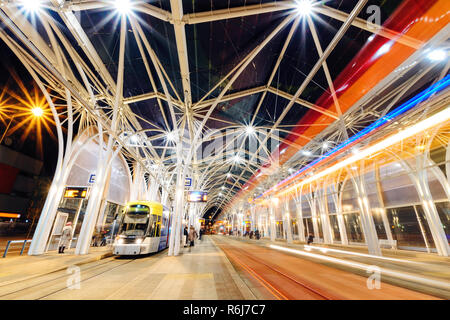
(224, 88)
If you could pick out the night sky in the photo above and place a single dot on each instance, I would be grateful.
(9, 63)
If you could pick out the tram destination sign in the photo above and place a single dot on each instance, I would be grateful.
(76, 192)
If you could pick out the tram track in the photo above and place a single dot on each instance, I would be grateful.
(53, 285)
(278, 283)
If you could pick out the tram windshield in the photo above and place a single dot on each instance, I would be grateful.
(135, 221)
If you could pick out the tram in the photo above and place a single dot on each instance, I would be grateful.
(143, 229)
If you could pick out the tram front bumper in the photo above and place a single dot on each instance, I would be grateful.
(127, 249)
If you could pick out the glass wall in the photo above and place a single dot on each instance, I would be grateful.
(335, 227)
(353, 227)
(443, 209)
(378, 222)
(409, 227)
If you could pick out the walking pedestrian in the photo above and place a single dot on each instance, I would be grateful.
(66, 236)
(192, 236)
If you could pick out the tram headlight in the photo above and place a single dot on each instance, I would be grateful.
(138, 241)
(120, 241)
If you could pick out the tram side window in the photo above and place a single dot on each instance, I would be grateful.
(158, 230)
(152, 232)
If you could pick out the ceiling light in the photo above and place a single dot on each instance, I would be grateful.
(437, 55)
(237, 159)
(122, 6)
(304, 7)
(307, 153)
(171, 136)
(249, 130)
(31, 5)
(325, 145)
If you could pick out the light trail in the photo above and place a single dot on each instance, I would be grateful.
(325, 250)
(401, 275)
(408, 105)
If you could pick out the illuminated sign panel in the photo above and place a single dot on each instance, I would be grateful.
(197, 196)
(76, 192)
(9, 215)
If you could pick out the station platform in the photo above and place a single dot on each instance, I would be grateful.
(204, 273)
(220, 268)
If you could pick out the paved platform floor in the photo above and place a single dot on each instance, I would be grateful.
(203, 273)
(15, 268)
(206, 273)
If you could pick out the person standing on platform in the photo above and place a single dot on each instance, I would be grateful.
(192, 236)
(66, 236)
(186, 234)
(202, 231)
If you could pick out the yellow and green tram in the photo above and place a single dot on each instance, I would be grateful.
(143, 229)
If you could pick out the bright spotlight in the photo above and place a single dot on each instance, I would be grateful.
(325, 145)
(31, 5)
(37, 111)
(134, 139)
(122, 6)
(171, 136)
(437, 55)
(307, 153)
(304, 7)
(237, 159)
(249, 130)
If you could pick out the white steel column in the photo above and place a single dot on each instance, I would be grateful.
(312, 204)
(420, 180)
(367, 224)
(92, 209)
(174, 243)
(382, 210)
(287, 222)
(337, 199)
(273, 230)
(323, 214)
(299, 210)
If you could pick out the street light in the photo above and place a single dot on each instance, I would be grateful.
(37, 111)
